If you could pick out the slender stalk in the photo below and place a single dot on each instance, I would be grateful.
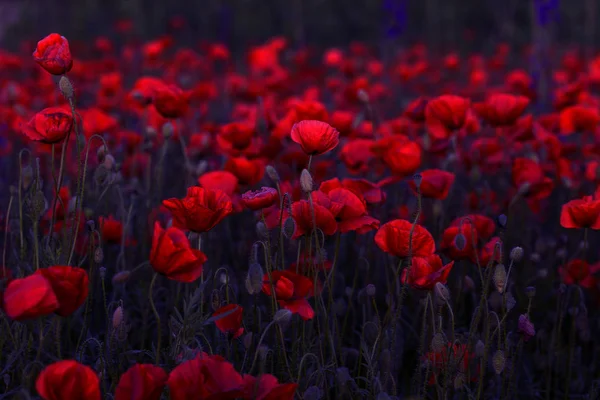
(157, 316)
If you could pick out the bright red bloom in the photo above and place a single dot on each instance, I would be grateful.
(435, 183)
(267, 387)
(53, 54)
(292, 291)
(446, 113)
(259, 199)
(219, 180)
(68, 379)
(425, 272)
(51, 125)
(248, 172)
(581, 213)
(170, 101)
(579, 272)
(141, 382)
(403, 158)
(578, 118)
(29, 297)
(237, 135)
(501, 109)
(394, 238)
(348, 209)
(231, 321)
(69, 284)
(172, 256)
(315, 137)
(205, 377)
(201, 210)
(303, 216)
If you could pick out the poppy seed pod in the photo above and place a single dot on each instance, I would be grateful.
(438, 342)
(66, 87)
(272, 173)
(306, 181)
(499, 277)
(498, 361)
(99, 256)
(516, 254)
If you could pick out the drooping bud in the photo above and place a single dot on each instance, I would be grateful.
(109, 162)
(121, 277)
(526, 327)
(247, 340)
(510, 301)
(102, 272)
(272, 173)
(479, 348)
(502, 220)
(66, 87)
(254, 279)
(306, 181)
(117, 318)
(441, 293)
(499, 278)
(98, 255)
(516, 254)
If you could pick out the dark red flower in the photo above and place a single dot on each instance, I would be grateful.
(201, 210)
(445, 114)
(425, 272)
(581, 213)
(485, 226)
(53, 54)
(69, 284)
(267, 387)
(237, 135)
(348, 209)
(491, 252)
(248, 172)
(111, 228)
(29, 297)
(578, 118)
(292, 291)
(394, 238)
(435, 183)
(170, 101)
(219, 180)
(229, 320)
(460, 241)
(68, 379)
(259, 199)
(315, 137)
(172, 256)
(141, 382)
(303, 216)
(579, 272)
(403, 158)
(501, 109)
(51, 125)
(205, 377)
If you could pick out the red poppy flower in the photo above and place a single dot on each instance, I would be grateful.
(416, 109)
(446, 113)
(315, 137)
(201, 210)
(141, 382)
(291, 290)
(501, 109)
(489, 253)
(68, 379)
(528, 174)
(248, 172)
(435, 183)
(51, 125)
(579, 272)
(170, 101)
(394, 238)
(581, 213)
(172, 256)
(303, 216)
(236, 135)
(29, 297)
(311, 110)
(485, 226)
(111, 228)
(267, 387)
(403, 158)
(205, 377)
(53, 54)
(348, 209)
(357, 155)
(425, 272)
(69, 284)
(231, 321)
(259, 199)
(460, 241)
(578, 118)
(219, 180)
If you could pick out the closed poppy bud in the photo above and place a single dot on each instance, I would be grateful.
(53, 54)
(66, 87)
(117, 318)
(68, 379)
(516, 254)
(254, 278)
(438, 342)
(29, 297)
(499, 277)
(51, 125)
(272, 173)
(261, 230)
(306, 181)
(498, 361)
(289, 227)
(141, 382)
(441, 292)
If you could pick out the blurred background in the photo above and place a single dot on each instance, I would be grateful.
(441, 24)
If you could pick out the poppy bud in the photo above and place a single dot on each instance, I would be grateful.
(66, 87)
(247, 340)
(261, 230)
(362, 96)
(370, 290)
(441, 292)
(499, 277)
(150, 132)
(460, 242)
(168, 130)
(510, 301)
(26, 176)
(468, 283)
(254, 279)
(282, 317)
(289, 227)
(479, 348)
(121, 277)
(117, 318)
(516, 254)
(417, 178)
(526, 327)
(502, 220)
(530, 291)
(306, 181)
(272, 173)
(498, 361)
(99, 256)
(438, 342)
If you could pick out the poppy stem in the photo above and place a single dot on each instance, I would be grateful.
(309, 163)
(157, 316)
(6, 236)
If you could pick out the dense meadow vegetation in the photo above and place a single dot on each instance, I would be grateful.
(304, 224)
